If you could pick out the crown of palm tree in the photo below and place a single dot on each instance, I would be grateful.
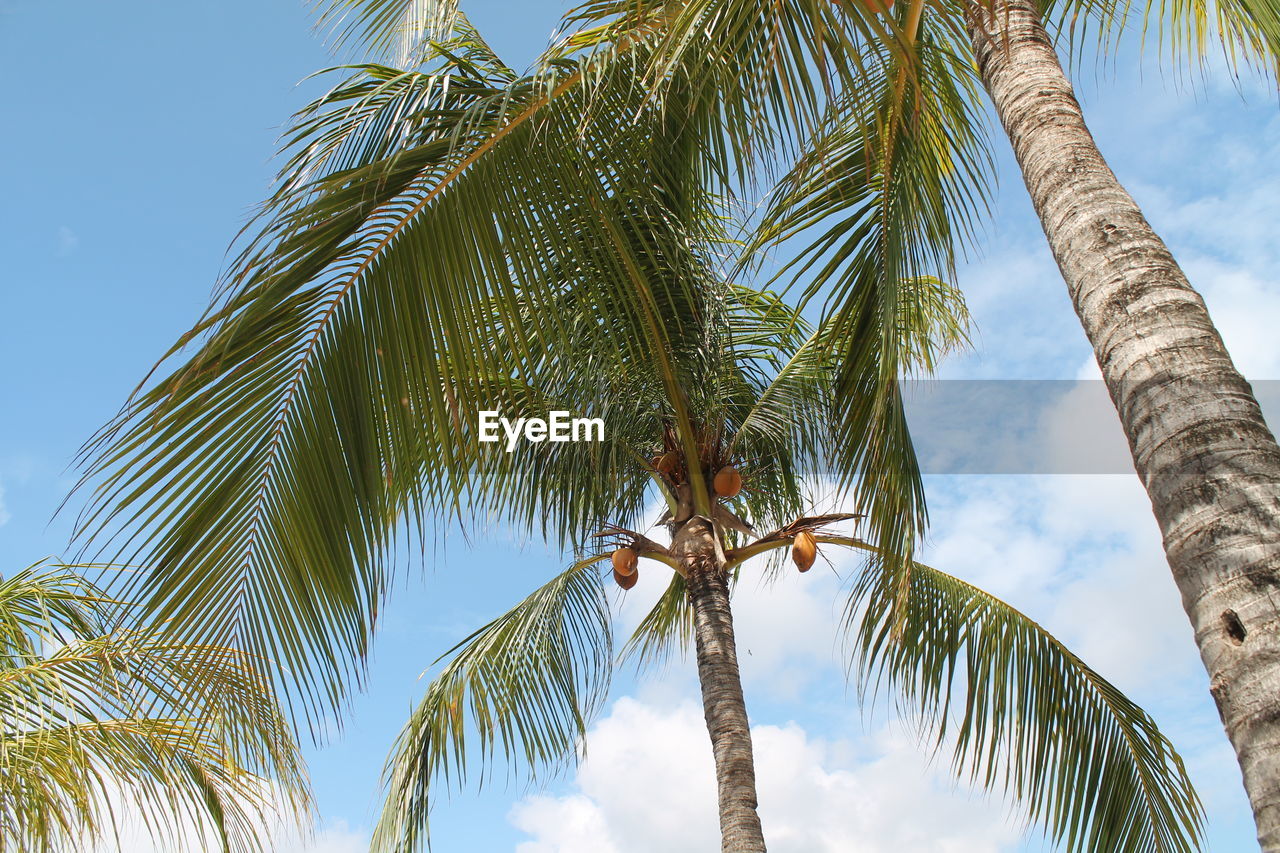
(441, 244)
(455, 236)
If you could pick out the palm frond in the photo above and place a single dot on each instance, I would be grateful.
(1245, 34)
(893, 181)
(92, 716)
(525, 685)
(1025, 714)
(396, 30)
(665, 630)
(891, 188)
(768, 68)
(411, 261)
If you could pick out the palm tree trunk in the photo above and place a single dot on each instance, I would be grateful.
(1208, 461)
(698, 550)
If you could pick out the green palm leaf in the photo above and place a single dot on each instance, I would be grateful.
(526, 684)
(1025, 714)
(394, 29)
(401, 263)
(666, 630)
(890, 190)
(895, 177)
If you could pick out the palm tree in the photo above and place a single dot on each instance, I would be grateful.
(891, 177)
(452, 237)
(1207, 459)
(93, 716)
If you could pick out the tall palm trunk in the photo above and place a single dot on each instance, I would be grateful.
(1208, 461)
(699, 552)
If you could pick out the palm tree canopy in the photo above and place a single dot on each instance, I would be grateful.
(456, 236)
(93, 715)
(444, 241)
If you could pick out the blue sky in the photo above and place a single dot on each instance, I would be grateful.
(139, 135)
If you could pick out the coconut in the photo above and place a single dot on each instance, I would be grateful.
(624, 561)
(668, 462)
(804, 550)
(626, 581)
(727, 482)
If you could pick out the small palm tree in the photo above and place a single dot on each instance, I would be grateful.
(93, 716)
(441, 245)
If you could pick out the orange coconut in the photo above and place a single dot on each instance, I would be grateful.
(727, 482)
(804, 550)
(624, 561)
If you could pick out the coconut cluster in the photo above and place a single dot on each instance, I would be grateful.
(727, 483)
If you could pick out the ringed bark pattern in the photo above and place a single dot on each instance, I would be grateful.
(1205, 455)
(724, 707)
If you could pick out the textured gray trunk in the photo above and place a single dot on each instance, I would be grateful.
(725, 710)
(1209, 464)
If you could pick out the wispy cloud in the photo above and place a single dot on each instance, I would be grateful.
(67, 241)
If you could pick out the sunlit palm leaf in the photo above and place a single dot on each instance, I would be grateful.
(264, 477)
(890, 189)
(1186, 33)
(392, 29)
(92, 718)
(768, 67)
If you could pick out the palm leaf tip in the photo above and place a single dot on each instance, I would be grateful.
(397, 30)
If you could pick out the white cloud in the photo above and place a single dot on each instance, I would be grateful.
(572, 824)
(188, 834)
(1080, 554)
(1241, 303)
(787, 630)
(336, 837)
(1024, 325)
(648, 784)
